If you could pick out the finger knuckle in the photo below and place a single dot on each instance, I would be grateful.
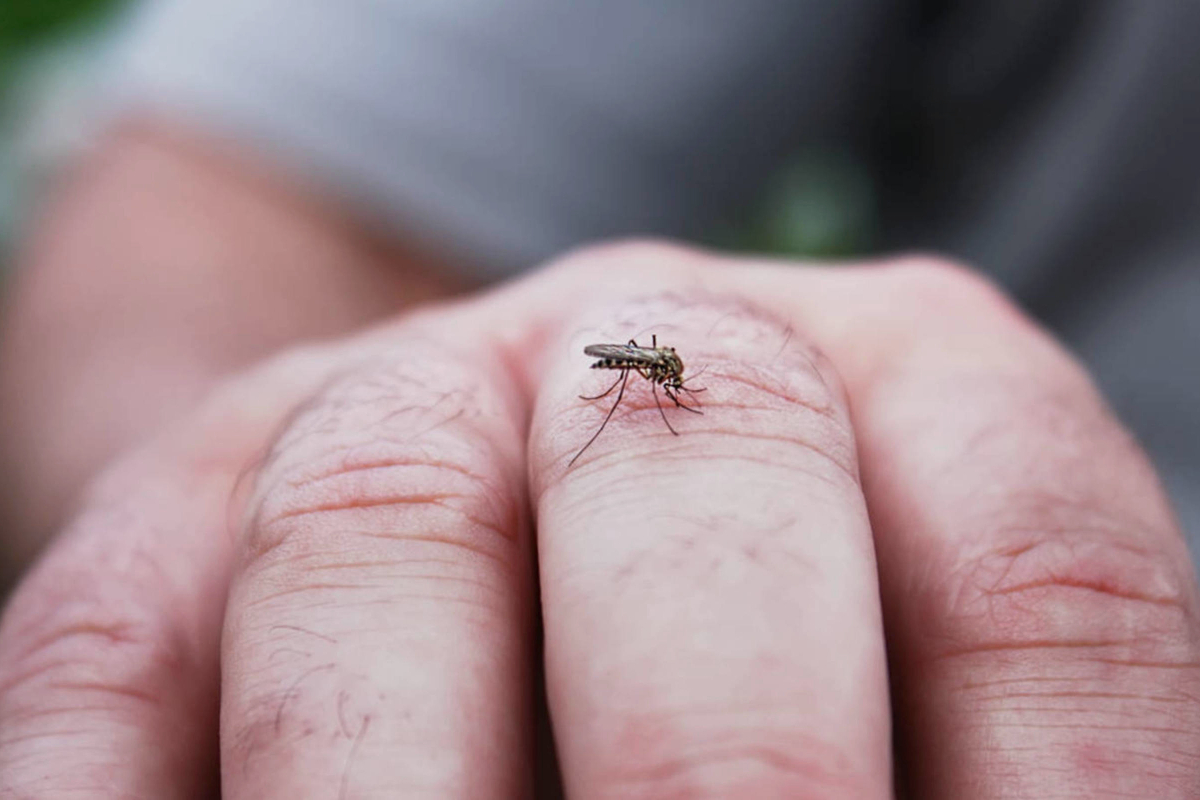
(1074, 634)
(394, 455)
(80, 627)
(926, 290)
(765, 383)
(1071, 585)
(944, 283)
(656, 760)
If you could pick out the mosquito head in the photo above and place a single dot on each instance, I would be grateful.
(673, 364)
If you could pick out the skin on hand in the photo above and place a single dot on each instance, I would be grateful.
(884, 447)
(164, 263)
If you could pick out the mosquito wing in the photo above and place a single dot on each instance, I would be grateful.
(623, 352)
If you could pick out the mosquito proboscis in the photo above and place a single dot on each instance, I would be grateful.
(659, 365)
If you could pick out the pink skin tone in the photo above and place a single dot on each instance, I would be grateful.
(160, 265)
(337, 550)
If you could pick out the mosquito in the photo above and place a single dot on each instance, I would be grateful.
(659, 365)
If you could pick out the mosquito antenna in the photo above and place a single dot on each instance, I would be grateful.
(620, 394)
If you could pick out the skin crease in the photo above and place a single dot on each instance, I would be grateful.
(694, 644)
(337, 549)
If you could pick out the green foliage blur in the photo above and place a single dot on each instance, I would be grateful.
(36, 37)
(821, 204)
(26, 24)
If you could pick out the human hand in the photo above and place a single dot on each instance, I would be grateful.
(714, 603)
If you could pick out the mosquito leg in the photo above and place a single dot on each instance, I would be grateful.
(663, 414)
(607, 391)
(620, 394)
(675, 400)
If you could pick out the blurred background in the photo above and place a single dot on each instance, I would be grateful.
(1052, 144)
(52, 51)
(49, 50)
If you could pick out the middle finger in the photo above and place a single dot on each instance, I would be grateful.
(378, 631)
(710, 603)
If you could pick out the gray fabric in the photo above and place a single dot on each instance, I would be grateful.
(508, 131)
(1052, 143)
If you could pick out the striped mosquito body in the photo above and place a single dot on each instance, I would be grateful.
(661, 366)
